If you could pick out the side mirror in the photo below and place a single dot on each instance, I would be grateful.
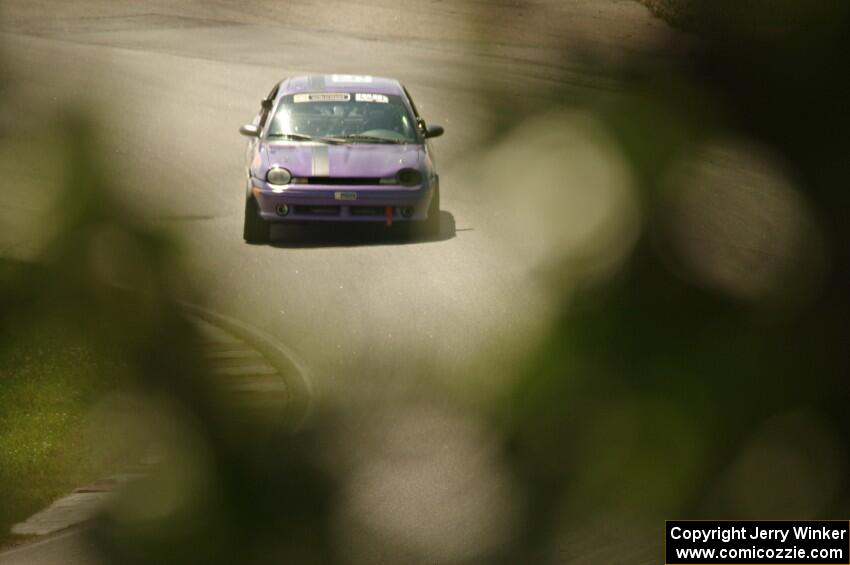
(266, 104)
(434, 131)
(250, 130)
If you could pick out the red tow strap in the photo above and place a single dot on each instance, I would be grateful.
(388, 214)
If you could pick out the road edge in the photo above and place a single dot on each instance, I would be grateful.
(291, 368)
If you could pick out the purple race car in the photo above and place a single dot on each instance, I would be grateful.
(340, 148)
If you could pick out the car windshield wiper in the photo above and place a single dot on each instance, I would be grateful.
(367, 138)
(302, 137)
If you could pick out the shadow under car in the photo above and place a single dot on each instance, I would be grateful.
(341, 234)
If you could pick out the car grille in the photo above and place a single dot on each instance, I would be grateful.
(366, 210)
(318, 210)
(343, 180)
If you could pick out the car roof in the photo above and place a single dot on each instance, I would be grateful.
(340, 83)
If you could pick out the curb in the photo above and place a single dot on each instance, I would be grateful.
(290, 367)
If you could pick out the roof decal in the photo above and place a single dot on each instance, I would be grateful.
(322, 97)
(351, 78)
(370, 97)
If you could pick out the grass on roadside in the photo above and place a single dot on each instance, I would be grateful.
(50, 443)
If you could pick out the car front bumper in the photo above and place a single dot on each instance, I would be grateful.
(341, 203)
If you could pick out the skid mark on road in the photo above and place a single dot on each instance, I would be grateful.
(133, 22)
(185, 218)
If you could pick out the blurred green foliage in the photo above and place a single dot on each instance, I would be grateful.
(70, 336)
(48, 444)
(646, 399)
(655, 396)
(725, 19)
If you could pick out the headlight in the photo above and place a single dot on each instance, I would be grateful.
(409, 177)
(277, 175)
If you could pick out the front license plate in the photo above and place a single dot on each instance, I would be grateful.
(345, 195)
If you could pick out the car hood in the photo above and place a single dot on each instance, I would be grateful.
(344, 160)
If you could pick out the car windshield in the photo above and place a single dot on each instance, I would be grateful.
(353, 117)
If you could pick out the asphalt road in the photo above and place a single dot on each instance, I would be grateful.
(365, 313)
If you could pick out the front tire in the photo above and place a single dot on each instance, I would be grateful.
(256, 229)
(432, 224)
